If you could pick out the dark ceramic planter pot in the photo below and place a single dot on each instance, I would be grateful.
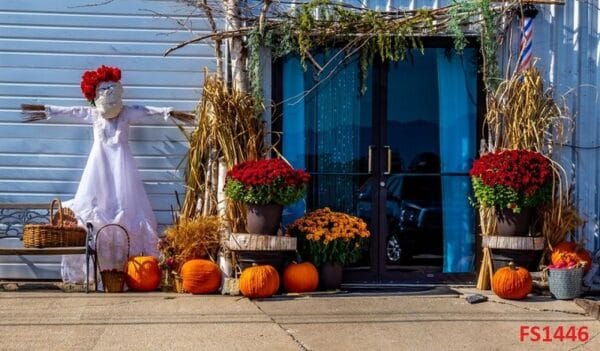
(330, 275)
(528, 259)
(263, 219)
(513, 224)
(277, 259)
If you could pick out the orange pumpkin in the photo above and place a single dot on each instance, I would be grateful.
(300, 277)
(200, 277)
(568, 251)
(259, 281)
(143, 273)
(512, 282)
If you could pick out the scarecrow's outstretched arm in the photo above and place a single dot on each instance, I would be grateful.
(137, 113)
(182, 116)
(32, 113)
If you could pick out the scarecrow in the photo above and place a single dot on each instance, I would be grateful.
(110, 189)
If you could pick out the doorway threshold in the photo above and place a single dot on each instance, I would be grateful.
(398, 289)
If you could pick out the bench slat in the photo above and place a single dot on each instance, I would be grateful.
(43, 251)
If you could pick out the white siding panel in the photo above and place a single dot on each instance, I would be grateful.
(44, 48)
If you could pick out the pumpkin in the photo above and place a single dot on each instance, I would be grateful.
(300, 277)
(200, 277)
(512, 282)
(142, 273)
(567, 252)
(259, 281)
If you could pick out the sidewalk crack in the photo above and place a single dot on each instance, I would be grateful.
(538, 309)
(299, 343)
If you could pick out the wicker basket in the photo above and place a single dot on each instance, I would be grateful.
(179, 285)
(113, 280)
(57, 233)
(565, 284)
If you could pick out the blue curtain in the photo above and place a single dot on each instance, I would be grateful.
(294, 132)
(457, 84)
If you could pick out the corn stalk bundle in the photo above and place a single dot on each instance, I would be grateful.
(229, 131)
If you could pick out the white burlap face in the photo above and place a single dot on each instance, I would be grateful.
(109, 99)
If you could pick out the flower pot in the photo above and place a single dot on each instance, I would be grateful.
(528, 259)
(523, 251)
(263, 219)
(330, 275)
(277, 259)
(513, 224)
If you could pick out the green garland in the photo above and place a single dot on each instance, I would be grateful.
(372, 33)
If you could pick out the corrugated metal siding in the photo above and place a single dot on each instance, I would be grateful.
(46, 45)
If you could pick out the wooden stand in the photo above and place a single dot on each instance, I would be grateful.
(267, 245)
(257, 242)
(489, 242)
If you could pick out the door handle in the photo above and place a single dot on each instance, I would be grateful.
(370, 159)
(389, 160)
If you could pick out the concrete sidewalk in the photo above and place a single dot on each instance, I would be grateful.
(53, 320)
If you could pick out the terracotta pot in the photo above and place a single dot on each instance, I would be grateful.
(330, 275)
(263, 219)
(513, 224)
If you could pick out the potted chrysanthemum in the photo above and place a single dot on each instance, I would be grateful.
(512, 182)
(330, 240)
(265, 186)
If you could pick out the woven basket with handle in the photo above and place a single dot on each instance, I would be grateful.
(113, 280)
(57, 233)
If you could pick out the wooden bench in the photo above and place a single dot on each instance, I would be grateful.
(14, 216)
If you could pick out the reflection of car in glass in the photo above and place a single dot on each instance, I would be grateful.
(414, 213)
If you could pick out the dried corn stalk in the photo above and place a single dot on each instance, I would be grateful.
(522, 114)
(229, 131)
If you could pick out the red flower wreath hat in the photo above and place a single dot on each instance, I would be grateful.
(91, 79)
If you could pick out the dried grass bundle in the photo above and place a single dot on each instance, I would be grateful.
(522, 114)
(198, 237)
(559, 220)
(229, 131)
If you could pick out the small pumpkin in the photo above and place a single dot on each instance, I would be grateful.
(512, 282)
(200, 277)
(142, 273)
(300, 277)
(259, 281)
(567, 252)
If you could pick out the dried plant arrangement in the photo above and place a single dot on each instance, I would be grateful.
(560, 220)
(229, 131)
(198, 237)
(522, 114)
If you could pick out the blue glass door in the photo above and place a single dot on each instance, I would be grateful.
(397, 156)
(428, 143)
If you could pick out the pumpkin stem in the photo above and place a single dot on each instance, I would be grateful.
(512, 266)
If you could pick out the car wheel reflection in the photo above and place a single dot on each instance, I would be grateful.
(393, 249)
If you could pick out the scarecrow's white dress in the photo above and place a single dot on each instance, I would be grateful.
(111, 189)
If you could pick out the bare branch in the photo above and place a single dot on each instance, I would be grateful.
(106, 2)
(215, 30)
(262, 18)
(214, 36)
